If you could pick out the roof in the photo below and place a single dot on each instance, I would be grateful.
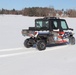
(50, 18)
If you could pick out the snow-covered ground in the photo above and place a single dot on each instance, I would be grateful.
(17, 60)
(10, 30)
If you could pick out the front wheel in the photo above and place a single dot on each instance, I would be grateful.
(72, 40)
(41, 45)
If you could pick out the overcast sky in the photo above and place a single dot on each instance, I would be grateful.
(20, 4)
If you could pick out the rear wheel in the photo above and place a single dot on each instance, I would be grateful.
(41, 45)
(72, 40)
(27, 43)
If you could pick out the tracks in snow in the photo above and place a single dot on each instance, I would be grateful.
(20, 51)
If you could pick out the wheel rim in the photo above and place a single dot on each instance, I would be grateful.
(42, 45)
(28, 43)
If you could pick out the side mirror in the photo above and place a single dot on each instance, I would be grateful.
(70, 29)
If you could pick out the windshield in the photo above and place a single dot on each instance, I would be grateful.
(42, 24)
(64, 25)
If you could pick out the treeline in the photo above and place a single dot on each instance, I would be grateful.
(71, 12)
(40, 11)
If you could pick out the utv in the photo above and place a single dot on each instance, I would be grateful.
(47, 31)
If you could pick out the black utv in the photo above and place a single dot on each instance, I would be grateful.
(47, 31)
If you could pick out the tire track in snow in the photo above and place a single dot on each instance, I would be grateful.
(13, 49)
(21, 51)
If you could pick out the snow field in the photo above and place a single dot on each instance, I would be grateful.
(17, 60)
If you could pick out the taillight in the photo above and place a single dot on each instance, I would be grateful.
(35, 33)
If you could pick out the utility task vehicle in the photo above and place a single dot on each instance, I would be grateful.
(47, 31)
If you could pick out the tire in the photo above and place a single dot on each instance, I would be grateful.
(41, 45)
(72, 40)
(27, 43)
